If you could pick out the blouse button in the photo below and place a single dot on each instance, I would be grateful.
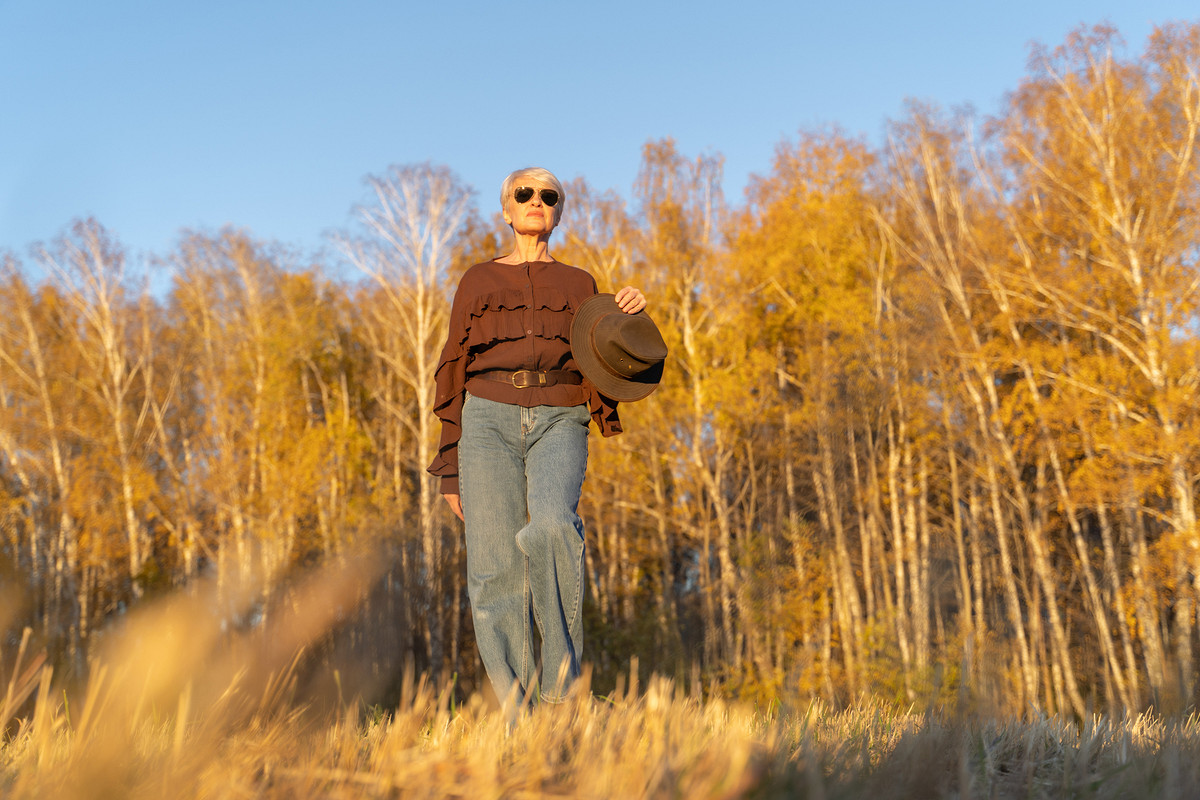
(528, 332)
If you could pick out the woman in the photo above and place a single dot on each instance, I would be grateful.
(515, 411)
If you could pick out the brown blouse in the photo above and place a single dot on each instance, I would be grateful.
(511, 317)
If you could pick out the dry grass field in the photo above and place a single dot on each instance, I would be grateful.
(174, 707)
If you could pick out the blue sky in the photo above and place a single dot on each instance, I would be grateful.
(155, 116)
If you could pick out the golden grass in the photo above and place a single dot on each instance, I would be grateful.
(175, 707)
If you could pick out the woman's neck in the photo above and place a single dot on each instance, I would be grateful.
(529, 248)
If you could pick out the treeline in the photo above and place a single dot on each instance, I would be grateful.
(928, 427)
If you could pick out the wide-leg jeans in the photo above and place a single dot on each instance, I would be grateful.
(520, 475)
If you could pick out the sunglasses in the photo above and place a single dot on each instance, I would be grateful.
(523, 194)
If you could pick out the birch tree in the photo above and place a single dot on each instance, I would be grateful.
(404, 240)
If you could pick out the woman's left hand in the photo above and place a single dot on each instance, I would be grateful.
(631, 300)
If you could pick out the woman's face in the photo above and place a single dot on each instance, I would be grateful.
(533, 217)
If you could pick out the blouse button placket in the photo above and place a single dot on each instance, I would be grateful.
(530, 310)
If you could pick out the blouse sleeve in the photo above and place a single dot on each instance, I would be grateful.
(450, 379)
(604, 412)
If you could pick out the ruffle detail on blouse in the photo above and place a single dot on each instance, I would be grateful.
(497, 326)
(501, 316)
(497, 304)
(553, 299)
(554, 326)
(499, 300)
(449, 380)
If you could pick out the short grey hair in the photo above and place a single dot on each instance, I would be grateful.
(540, 175)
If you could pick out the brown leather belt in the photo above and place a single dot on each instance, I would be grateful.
(531, 379)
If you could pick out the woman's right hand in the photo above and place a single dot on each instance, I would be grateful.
(455, 503)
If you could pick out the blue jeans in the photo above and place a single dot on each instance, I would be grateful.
(520, 474)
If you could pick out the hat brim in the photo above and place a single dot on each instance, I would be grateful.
(583, 349)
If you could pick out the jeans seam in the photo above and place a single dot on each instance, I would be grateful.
(527, 669)
(578, 587)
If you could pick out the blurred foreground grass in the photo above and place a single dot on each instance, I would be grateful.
(176, 707)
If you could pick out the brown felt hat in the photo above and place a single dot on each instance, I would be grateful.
(621, 354)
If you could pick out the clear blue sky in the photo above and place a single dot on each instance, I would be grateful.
(154, 116)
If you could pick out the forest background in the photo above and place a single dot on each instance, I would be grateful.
(928, 426)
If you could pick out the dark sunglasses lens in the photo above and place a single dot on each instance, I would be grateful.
(524, 194)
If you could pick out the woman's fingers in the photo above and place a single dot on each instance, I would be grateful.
(630, 300)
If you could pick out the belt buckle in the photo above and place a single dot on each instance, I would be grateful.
(525, 383)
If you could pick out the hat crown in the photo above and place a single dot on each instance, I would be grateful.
(628, 344)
